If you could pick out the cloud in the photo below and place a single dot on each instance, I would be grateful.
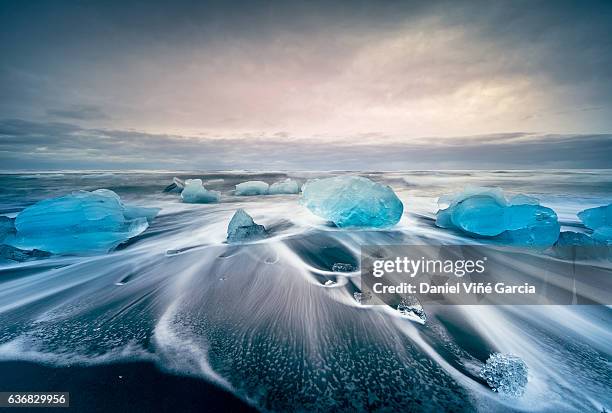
(400, 68)
(52, 145)
(75, 112)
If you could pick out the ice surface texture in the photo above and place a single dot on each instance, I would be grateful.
(81, 222)
(288, 186)
(250, 188)
(195, 193)
(600, 221)
(352, 201)
(486, 213)
(242, 228)
(505, 374)
(410, 307)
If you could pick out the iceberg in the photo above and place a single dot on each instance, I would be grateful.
(505, 374)
(195, 193)
(81, 222)
(250, 188)
(352, 201)
(600, 221)
(485, 213)
(288, 186)
(242, 228)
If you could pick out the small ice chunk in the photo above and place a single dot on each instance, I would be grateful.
(485, 213)
(195, 193)
(288, 186)
(243, 228)
(250, 188)
(81, 222)
(352, 201)
(329, 283)
(411, 307)
(362, 298)
(505, 374)
(600, 221)
(342, 267)
(177, 185)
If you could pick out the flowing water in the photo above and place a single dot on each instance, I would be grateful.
(258, 320)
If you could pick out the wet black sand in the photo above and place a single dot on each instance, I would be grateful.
(125, 387)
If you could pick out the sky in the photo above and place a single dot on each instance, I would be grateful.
(305, 85)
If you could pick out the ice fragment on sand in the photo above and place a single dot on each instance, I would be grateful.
(352, 201)
(362, 298)
(250, 188)
(195, 193)
(288, 186)
(342, 267)
(485, 213)
(411, 307)
(177, 185)
(80, 222)
(505, 374)
(243, 228)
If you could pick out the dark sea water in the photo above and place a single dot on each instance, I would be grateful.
(254, 326)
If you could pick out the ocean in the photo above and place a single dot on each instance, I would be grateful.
(254, 326)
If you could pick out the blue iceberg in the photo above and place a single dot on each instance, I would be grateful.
(505, 374)
(486, 213)
(251, 188)
(600, 221)
(82, 222)
(352, 201)
(195, 193)
(288, 186)
(242, 228)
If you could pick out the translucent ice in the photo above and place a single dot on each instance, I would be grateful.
(352, 201)
(485, 212)
(600, 221)
(81, 222)
(195, 193)
(362, 298)
(506, 374)
(177, 185)
(342, 267)
(288, 186)
(243, 228)
(411, 307)
(250, 188)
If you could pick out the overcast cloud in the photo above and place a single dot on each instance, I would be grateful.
(305, 84)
